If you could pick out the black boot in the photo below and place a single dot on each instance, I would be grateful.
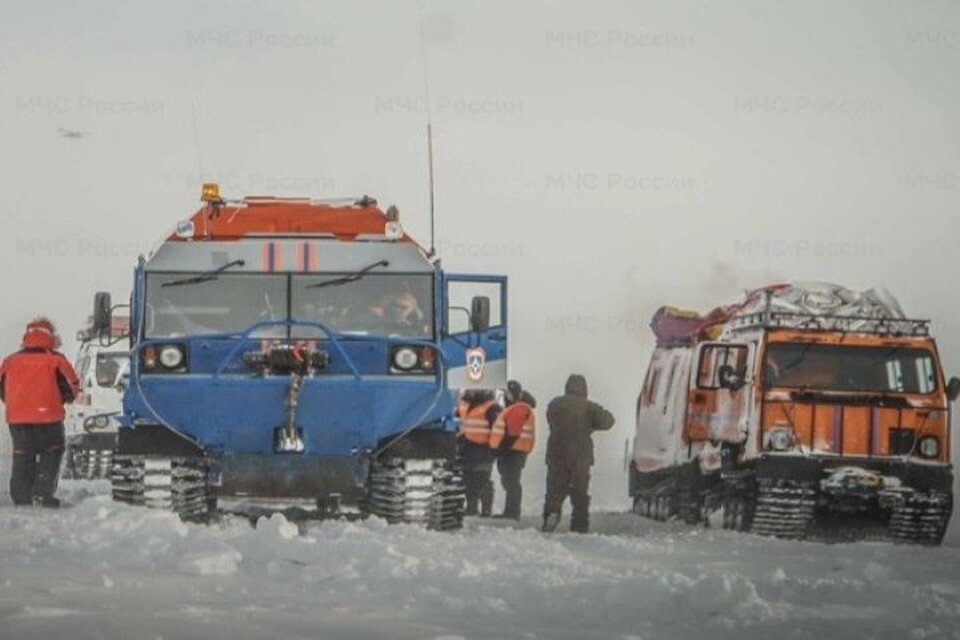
(550, 522)
(472, 492)
(486, 500)
(48, 502)
(22, 476)
(580, 518)
(48, 471)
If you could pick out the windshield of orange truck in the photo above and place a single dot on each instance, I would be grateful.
(826, 367)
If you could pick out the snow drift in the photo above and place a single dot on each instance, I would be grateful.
(101, 569)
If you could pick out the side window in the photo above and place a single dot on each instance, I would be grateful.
(926, 377)
(713, 357)
(669, 385)
(460, 295)
(650, 391)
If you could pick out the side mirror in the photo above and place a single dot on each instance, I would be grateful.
(730, 379)
(102, 313)
(953, 389)
(480, 314)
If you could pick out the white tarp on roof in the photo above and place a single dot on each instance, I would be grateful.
(822, 298)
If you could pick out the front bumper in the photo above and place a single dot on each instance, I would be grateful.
(96, 441)
(290, 476)
(912, 474)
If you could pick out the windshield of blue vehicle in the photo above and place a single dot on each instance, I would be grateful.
(398, 305)
(227, 303)
(828, 367)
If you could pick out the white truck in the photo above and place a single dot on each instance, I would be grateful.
(102, 364)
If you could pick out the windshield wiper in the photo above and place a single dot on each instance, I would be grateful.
(353, 277)
(207, 276)
(798, 360)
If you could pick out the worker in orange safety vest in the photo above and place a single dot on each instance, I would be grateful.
(512, 439)
(477, 411)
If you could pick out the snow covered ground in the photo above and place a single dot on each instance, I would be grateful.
(103, 570)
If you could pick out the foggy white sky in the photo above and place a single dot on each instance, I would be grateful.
(609, 157)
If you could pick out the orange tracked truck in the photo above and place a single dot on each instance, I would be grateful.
(805, 408)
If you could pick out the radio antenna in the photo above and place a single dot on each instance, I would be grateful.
(426, 97)
(196, 138)
(433, 248)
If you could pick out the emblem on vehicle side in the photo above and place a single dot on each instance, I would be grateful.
(476, 362)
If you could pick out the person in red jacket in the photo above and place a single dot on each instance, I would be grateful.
(35, 383)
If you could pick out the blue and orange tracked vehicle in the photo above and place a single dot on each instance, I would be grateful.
(302, 349)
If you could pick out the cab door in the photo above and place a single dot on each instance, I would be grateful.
(474, 331)
(719, 391)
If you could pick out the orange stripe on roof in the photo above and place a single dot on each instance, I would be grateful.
(300, 259)
(277, 250)
(265, 257)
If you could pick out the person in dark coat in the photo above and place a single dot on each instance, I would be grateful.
(35, 383)
(572, 419)
(512, 441)
(478, 411)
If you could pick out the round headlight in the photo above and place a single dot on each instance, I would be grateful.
(96, 422)
(780, 439)
(171, 357)
(929, 446)
(405, 358)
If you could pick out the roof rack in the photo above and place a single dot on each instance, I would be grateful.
(845, 324)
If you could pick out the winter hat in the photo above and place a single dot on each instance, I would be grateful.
(514, 391)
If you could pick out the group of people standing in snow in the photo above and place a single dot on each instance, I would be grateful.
(491, 433)
(37, 381)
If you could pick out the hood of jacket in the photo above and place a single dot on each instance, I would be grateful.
(39, 337)
(576, 386)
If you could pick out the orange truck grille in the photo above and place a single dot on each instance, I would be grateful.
(857, 430)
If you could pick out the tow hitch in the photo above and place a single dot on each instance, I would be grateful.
(297, 361)
(288, 438)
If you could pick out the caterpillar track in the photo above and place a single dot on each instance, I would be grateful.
(672, 497)
(778, 508)
(88, 464)
(181, 485)
(738, 504)
(783, 508)
(658, 502)
(921, 518)
(428, 492)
